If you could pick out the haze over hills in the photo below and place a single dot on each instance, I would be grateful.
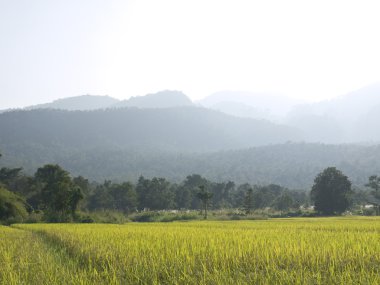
(244, 111)
(35, 137)
(84, 103)
(248, 104)
(190, 129)
(290, 165)
(351, 118)
(346, 119)
(158, 135)
(347, 107)
(162, 99)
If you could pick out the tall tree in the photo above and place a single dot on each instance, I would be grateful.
(205, 197)
(331, 192)
(124, 197)
(283, 202)
(248, 201)
(192, 182)
(101, 198)
(59, 195)
(183, 197)
(155, 194)
(238, 196)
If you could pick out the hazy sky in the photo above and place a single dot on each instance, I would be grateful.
(51, 49)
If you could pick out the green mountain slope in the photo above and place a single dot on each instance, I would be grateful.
(188, 129)
(122, 144)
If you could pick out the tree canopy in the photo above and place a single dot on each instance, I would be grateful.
(59, 195)
(13, 208)
(331, 192)
(205, 196)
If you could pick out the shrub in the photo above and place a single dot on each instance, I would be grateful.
(13, 208)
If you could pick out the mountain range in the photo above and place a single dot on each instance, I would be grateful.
(162, 99)
(351, 118)
(185, 129)
(273, 107)
(83, 103)
(166, 134)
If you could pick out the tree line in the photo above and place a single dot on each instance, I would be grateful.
(53, 192)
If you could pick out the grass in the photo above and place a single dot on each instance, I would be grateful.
(342, 250)
(27, 258)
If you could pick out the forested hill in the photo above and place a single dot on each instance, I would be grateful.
(84, 102)
(122, 144)
(290, 165)
(185, 129)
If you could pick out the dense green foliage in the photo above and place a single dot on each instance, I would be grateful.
(53, 194)
(52, 191)
(291, 165)
(58, 195)
(13, 208)
(122, 144)
(160, 194)
(331, 192)
(205, 197)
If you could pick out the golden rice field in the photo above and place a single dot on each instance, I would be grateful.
(280, 251)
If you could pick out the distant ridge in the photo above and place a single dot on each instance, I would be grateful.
(350, 118)
(190, 129)
(76, 103)
(162, 99)
(249, 104)
(353, 117)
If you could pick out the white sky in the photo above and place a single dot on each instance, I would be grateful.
(304, 49)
